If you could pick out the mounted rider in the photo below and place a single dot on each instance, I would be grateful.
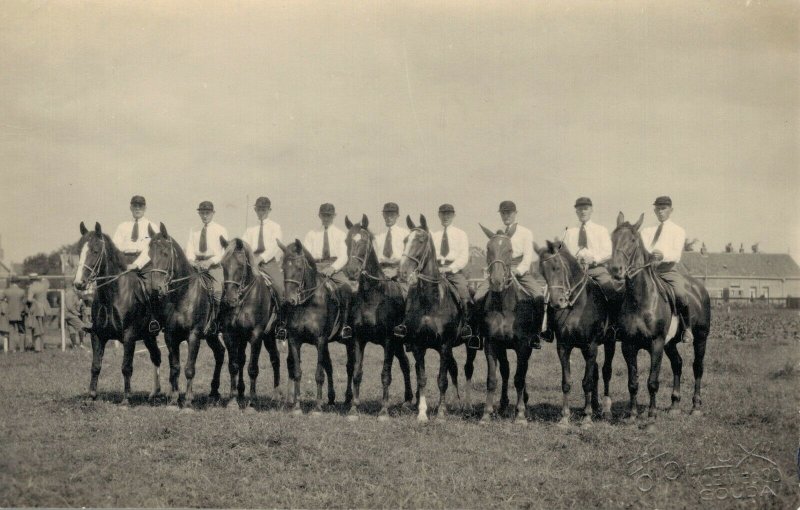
(389, 245)
(132, 237)
(522, 258)
(263, 239)
(590, 243)
(328, 247)
(452, 256)
(665, 243)
(204, 250)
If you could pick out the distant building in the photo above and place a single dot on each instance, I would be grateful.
(745, 275)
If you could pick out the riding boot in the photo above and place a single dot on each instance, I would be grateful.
(400, 331)
(347, 331)
(280, 330)
(547, 334)
(687, 336)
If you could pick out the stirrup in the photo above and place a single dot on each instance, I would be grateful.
(535, 342)
(475, 343)
(400, 331)
(347, 332)
(408, 346)
(687, 337)
(466, 332)
(281, 334)
(546, 335)
(154, 326)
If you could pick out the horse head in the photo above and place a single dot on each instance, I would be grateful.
(625, 242)
(418, 252)
(161, 251)
(238, 265)
(93, 261)
(498, 259)
(557, 266)
(299, 272)
(359, 244)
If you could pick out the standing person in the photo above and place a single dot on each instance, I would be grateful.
(665, 243)
(4, 327)
(73, 316)
(16, 310)
(329, 249)
(132, 237)
(452, 256)
(262, 239)
(389, 245)
(204, 250)
(34, 323)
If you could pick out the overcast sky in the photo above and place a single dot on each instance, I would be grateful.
(362, 103)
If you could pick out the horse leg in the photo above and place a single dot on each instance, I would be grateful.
(386, 377)
(350, 369)
(129, 344)
(98, 349)
(697, 366)
(469, 369)
(405, 368)
(656, 355)
(231, 344)
(319, 376)
(155, 357)
(358, 374)
(629, 351)
(589, 383)
(328, 366)
(523, 357)
(252, 369)
(189, 372)
(491, 380)
(564, 352)
(444, 360)
(174, 356)
(452, 370)
(296, 373)
(676, 363)
(218, 348)
(271, 345)
(242, 352)
(609, 348)
(419, 366)
(505, 372)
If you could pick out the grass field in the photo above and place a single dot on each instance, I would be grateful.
(59, 448)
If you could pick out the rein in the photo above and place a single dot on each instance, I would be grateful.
(422, 260)
(305, 294)
(94, 271)
(243, 285)
(573, 292)
(508, 276)
(363, 260)
(169, 273)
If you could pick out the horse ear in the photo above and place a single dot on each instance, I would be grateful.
(239, 244)
(84, 230)
(364, 221)
(347, 222)
(486, 231)
(423, 222)
(298, 246)
(511, 231)
(620, 218)
(538, 249)
(223, 242)
(98, 229)
(410, 223)
(163, 229)
(150, 230)
(281, 246)
(638, 224)
(550, 246)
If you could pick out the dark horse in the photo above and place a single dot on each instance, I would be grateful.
(313, 317)
(581, 316)
(182, 297)
(120, 309)
(433, 316)
(377, 308)
(646, 320)
(508, 320)
(248, 315)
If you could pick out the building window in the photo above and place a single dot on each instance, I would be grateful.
(736, 291)
(753, 292)
(765, 292)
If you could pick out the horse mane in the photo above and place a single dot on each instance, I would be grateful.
(248, 252)
(180, 259)
(115, 256)
(629, 226)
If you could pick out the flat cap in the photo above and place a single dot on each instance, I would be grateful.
(327, 208)
(138, 200)
(665, 200)
(583, 201)
(263, 202)
(447, 208)
(205, 205)
(391, 207)
(507, 206)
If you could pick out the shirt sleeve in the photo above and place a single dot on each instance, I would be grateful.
(272, 247)
(308, 242)
(119, 237)
(527, 253)
(190, 248)
(341, 253)
(142, 259)
(570, 242)
(218, 250)
(603, 245)
(462, 254)
(674, 248)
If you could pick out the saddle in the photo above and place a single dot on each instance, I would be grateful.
(665, 292)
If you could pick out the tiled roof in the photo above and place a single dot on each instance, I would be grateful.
(774, 265)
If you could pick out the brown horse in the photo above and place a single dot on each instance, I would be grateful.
(581, 314)
(248, 316)
(646, 320)
(433, 317)
(183, 301)
(508, 320)
(377, 308)
(313, 317)
(120, 309)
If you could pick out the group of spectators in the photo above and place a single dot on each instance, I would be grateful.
(23, 315)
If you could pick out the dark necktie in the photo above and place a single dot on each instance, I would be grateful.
(658, 234)
(582, 243)
(445, 247)
(203, 240)
(260, 248)
(135, 231)
(326, 247)
(387, 245)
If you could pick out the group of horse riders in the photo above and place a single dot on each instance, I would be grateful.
(589, 242)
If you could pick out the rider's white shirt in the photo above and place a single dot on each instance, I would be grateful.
(598, 241)
(272, 234)
(336, 243)
(213, 231)
(670, 242)
(457, 240)
(399, 235)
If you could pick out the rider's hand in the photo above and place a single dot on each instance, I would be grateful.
(445, 269)
(587, 258)
(328, 271)
(658, 256)
(132, 267)
(518, 271)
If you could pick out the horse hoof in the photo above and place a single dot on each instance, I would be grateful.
(422, 418)
(696, 412)
(93, 395)
(352, 417)
(172, 406)
(124, 404)
(674, 411)
(297, 412)
(607, 416)
(249, 410)
(316, 413)
(383, 417)
(154, 395)
(649, 427)
(587, 423)
(408, 405)
(485, 419)
(563, 423)
(188, 409)
(521, 421)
